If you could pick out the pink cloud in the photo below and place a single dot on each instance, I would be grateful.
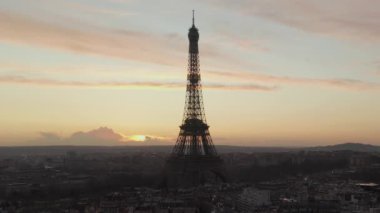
(102, 133)
(119, 44)
(168, 49)
(100, 136)
(150, 48)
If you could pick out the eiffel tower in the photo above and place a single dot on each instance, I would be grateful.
(194, 160)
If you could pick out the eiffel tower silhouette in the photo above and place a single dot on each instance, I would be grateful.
(194, 159)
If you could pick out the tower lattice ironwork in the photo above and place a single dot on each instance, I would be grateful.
(194, 159)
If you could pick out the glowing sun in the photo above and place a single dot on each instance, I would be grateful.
(138, 138)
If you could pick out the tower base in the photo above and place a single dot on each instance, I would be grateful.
(191, 171)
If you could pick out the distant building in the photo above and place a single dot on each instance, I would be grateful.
(250, 198)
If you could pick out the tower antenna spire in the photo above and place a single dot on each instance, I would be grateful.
(193, 17)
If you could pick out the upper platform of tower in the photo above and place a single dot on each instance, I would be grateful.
(193, 38)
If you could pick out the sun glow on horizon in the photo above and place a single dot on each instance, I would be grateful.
(137, 138)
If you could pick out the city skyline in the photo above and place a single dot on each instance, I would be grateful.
(113, 72)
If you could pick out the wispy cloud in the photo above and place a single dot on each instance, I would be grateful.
(338, 83)
(222, 80)
(241, 41)
(377, 67)
(351, 19)
(97, 10)
(161, 49)
(119, 84)
(165, 49)
(111, 43)
(252, 87)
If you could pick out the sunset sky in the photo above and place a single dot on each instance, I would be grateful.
(113, 72)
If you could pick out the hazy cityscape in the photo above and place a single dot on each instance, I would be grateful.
(105, 179)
